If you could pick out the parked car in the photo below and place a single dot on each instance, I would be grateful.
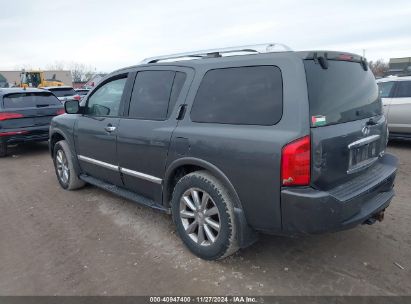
(396, 97)
(82, 92)
(285, 143)
(64, 93)
(25, 115)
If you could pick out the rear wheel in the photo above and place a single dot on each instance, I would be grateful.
(203, 213)
(3, 149)
(65, 171)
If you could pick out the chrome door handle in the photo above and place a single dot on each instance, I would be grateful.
(110, 129)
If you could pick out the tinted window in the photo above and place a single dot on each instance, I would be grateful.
(106, 99)
(385, 88)
(245, 95)
(403, 89)
(178, 83)
(341, 93)
(27, 100)
(63, 92)
(151, 95)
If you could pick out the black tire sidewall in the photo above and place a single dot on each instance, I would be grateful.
(58, 147)
(219, 248)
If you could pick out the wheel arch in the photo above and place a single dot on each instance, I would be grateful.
(186, 165)
(182, 166)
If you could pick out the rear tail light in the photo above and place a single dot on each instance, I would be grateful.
(296, 162)
(7, 116)
(77, 97)
(60, 112)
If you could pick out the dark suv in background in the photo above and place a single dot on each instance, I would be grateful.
(285, 143)
(25, 115)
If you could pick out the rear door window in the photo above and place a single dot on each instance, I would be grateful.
(403, 89)
(155, 94)
(343, 92)
(241, 95)
(63, 92)
(29, 100)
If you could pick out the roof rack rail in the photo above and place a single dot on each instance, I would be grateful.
(213, 53)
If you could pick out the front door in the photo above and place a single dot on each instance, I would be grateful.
(143, 136)
(96, 131)
(399, 118)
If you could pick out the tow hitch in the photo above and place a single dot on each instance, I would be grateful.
(376, 217)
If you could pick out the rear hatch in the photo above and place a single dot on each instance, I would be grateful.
(348, 129)
(31, 109)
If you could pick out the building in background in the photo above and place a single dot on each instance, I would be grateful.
(12, 78)
(400, 66)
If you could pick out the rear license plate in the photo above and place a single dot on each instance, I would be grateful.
(362, 155)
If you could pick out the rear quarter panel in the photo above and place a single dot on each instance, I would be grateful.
(249, 155)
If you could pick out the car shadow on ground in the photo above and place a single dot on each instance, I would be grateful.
(396, 143)
(27, 149)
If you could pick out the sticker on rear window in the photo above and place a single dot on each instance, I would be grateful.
(318, 120)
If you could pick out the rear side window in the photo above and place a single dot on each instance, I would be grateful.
(244, 95)
(385, 88)
(29, 100)
(403, 89)
(155, 94)
(63, 92)
(343, 92)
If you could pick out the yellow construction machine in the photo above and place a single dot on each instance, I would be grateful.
(36, 79)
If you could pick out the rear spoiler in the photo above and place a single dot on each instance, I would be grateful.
(322, 57)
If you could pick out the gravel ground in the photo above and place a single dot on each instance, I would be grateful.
(89, 242)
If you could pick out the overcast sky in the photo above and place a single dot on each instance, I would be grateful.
(110, 34)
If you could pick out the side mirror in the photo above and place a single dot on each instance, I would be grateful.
(72, 107)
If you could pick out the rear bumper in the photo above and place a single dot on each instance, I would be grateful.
(310, 211)
(30, 134)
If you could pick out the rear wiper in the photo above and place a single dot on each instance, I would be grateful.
(42, 106)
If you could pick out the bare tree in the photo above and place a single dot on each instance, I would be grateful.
(56, 66)
(379, 67)
(81, 72)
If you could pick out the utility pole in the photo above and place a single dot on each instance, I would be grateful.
(363, 53)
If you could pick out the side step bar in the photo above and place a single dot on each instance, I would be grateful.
(124, 193)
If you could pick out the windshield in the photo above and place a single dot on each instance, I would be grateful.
(63, 92)
(343, 92)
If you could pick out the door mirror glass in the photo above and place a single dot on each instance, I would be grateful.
(72, 107)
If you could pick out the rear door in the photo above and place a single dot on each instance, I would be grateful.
(144, 134)
(348, 128)
(96, 130)
(399, 117)
(33, 109)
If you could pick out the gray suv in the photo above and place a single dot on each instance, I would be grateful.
(234, 142)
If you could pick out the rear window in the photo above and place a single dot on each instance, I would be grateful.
(29, 100)
(343, 92)
(245, 95)
(63, 92)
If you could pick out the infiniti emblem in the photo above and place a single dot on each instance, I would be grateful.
(365, 130)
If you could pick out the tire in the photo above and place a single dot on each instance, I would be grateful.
(3, 149)
(63, 161)
(196, 230)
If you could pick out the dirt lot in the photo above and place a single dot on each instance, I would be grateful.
(89, 242)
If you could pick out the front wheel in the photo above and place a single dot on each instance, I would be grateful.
(203, 213)
(63, 164)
